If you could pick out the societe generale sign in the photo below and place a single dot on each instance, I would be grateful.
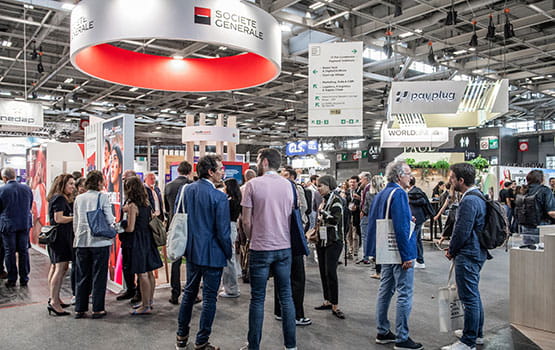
(426, 97)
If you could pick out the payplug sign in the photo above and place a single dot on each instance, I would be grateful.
(426, 97)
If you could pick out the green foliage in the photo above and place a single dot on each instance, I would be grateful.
(424, 164)
(410, 162)
(441, 164)
(480, 163)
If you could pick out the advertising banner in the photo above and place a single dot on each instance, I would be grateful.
(301, 148)
(118, 135)
(335, 89)
(413, 137)
(426, 97)
(15, 115)
(93, 135)
(210, 133)
(36, 170)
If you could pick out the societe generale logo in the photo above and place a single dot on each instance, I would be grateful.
(202, 15)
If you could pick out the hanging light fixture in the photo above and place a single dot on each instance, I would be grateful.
(491, 29)
(40, 67)
(474, 39)
(34, 53)
(398, 8)
(451, 15)
(431, 56)
(508, 29)
(388, 47)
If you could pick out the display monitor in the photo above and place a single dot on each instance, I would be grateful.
(234, 171)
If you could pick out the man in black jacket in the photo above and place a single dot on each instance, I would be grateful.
(170, 194)
(421, 209)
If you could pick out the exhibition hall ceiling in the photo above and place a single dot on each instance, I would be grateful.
(34, 31)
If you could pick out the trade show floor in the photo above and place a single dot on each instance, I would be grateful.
(26, 324)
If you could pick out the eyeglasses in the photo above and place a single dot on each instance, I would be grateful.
(406, 174)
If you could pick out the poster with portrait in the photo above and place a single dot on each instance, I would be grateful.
(117, 155)
(36, 170)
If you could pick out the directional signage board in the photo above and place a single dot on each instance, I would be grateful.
(335, 89)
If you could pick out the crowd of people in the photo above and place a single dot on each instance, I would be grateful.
(244, 231)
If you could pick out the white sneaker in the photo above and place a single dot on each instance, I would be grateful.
(225, 295)
(277, 317)
(419, 265)
(459, 333)
(303, 321)
(458, 346)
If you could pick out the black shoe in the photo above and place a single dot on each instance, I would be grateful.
(56, 313)
(10, 284)
(408, 345)
(125, 296)
(23, 283)
(386, 338)
(323, 307)
(181, 342)
(174, 301)
(135, 299)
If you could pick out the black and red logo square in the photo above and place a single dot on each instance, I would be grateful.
(202, 15)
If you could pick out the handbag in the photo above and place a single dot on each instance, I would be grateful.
(387, 251)
(299, 246)
(451, 314)
(48, 234)
(159, 234)
(98, 223)
(178, 231)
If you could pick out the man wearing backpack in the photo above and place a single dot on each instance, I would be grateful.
(468, 255)
(536, 208)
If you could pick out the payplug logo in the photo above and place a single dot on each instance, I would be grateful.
(436, 96)
(202, 15)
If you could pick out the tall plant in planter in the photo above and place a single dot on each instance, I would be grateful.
(442, 166)
(480, 163)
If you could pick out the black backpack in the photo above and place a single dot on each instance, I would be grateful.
(496, 229)
(526, 211)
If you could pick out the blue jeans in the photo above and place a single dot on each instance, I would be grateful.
(419, 247)
(211, 277)
(364, 234)
(467, 276)
(394, 278)
(17, 242)
(260, 264)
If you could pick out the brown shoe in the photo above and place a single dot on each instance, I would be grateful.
(375, 276)
(206, 346)
(3, 275)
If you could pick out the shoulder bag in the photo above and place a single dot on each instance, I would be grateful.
(159, 234)
(299, 245)
(98, 224)
(178, 232)
(48, 234)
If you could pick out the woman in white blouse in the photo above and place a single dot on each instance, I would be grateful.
(91, 253)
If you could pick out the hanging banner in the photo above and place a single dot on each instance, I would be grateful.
(335, 89)
(15, 115)
(413, 137)
(209, 133)
(301, 148)
(426, 97)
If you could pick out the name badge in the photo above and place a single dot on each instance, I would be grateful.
(323, 233)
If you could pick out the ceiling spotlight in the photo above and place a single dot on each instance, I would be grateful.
(431, 57)
(508, 28)
(491, 29)
(474, 39)
(248, 104)
(398, 8)
(388, 47)
(289, 110)
(177, 57)
(133, 89)
(202, 98)
(40, 68)
(7, 43)
(299, 92)
(451, 18)
(68, 81)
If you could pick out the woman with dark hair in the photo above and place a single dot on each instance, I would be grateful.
(60, 251)
(80, 186)
(330, 244)
(92, 252)
(438, 189)
(145, 256)
(229, 276)
(116, 166)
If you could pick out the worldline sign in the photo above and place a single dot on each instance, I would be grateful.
(301, 148)
(18, 114)
(413, 137)
(96, 24)
(431, 97)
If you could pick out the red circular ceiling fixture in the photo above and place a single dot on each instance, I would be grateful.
(95, 24)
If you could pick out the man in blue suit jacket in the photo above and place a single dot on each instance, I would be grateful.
(15, 221)
(208, 249)
(395, 277)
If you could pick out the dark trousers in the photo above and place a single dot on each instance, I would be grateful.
(298, 279)
(1, 254)
(91, 276)
(175, 279)
(128, 276)
(17, 242)
(211, 277)
(327, 262)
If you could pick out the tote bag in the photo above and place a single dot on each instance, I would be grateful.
(387, 251)
(451, 314)
(299, 246)
(98, 223)
(177, 233)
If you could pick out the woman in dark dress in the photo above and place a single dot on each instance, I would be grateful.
(60, 251)
(145, 256)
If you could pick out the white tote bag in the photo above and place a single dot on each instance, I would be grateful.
(387, 251)
(177, 233)
(451, 314)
